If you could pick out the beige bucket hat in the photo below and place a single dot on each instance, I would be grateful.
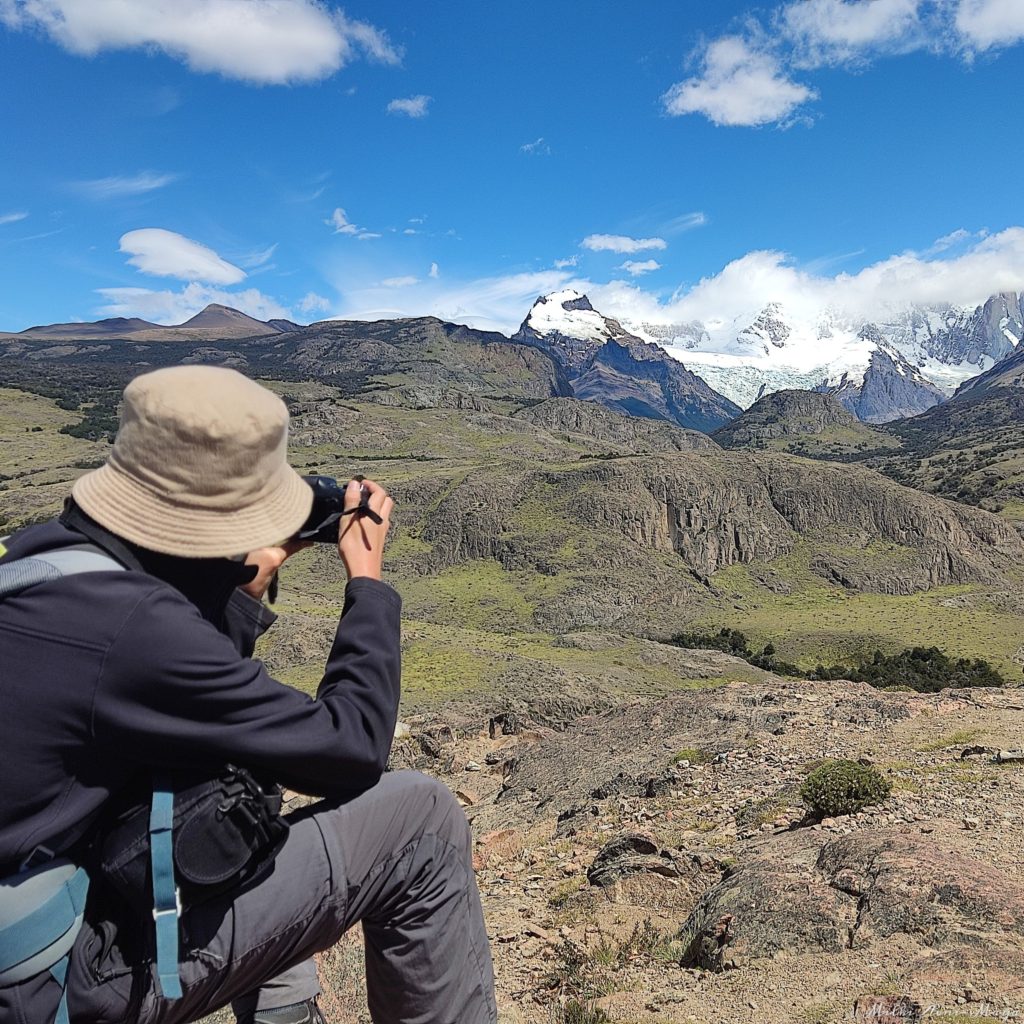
(199, 466)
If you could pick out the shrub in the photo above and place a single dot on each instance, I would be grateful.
(843, 787)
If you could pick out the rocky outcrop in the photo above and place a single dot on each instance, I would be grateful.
(594, 422)
(860, 890)
(785, 414)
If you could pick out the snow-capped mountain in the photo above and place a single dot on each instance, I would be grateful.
(607, 364)
(880, 370)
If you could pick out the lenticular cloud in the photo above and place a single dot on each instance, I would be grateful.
(168, 254)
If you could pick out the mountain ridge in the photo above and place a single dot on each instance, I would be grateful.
(607, 364)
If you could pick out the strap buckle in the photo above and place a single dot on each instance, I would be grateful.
(175, 910)
(37, 858)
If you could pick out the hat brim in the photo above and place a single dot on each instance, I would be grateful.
(155, 522)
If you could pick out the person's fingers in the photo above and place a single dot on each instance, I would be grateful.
(352, 493)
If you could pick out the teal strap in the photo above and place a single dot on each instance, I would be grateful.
(60, 972)
(165, 896)
(46, 924)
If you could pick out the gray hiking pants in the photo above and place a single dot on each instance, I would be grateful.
(397, 858)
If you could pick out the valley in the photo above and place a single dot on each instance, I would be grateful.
(546, 549)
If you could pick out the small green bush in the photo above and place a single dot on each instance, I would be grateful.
(843, 787)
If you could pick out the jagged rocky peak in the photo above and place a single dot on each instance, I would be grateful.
(569, 326)
(770, 327)
(891, 388)
(607, 364)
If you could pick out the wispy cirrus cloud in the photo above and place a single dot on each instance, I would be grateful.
(411, 106)
(165, 253)
(405, 281)
(258, 257)
(118, 186)
(684, 222)
(621, 243)
(343, 226)
(12, 218)
(273, 42)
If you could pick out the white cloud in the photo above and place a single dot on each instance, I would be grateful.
(621, 243)
(120, 185)
(435, 272)
(168, 254)
(400, 282)
(967, 272)
(989, 24)
(739, 85)
(992, 264)
(167, 307)
(413, 106)
(11, 218)
(313, 303)
(410, 231)
(571, 261)
(364, 235)
(838, 31)
(637, 268)
(747, 79)
(537, 148)
(341, 224)
(262, 41)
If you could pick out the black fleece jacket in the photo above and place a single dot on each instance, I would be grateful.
(105, 676)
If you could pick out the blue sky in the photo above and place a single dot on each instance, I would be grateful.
(673, 159)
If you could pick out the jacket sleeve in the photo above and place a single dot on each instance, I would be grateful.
(174, 690)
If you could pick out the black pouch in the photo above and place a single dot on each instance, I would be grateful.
(227, 831)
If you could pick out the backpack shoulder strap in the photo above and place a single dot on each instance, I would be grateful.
(22, 573)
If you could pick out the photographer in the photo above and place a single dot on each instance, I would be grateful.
(138, 668)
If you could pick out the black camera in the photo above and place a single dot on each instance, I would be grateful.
(329, 507)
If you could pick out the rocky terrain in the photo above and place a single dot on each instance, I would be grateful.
(679, 878)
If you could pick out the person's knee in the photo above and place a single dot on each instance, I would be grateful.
(434, 801)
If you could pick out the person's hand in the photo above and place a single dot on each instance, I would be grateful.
(267, 562)
(360, 539)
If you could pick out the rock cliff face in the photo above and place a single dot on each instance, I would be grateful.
(785, 414)
(991, 330)
(713, 510)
